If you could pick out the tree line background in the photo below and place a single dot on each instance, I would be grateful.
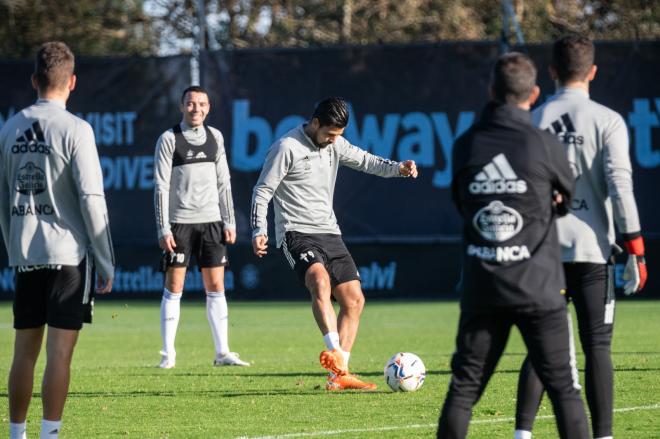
(164, 27)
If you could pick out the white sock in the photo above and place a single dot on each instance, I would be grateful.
(522, 434)
(331, 340)
(347, 356)
(50, 429)
(170, 310)
(17, 430)
(218, 315)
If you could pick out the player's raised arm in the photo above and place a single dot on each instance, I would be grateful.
(361, 160)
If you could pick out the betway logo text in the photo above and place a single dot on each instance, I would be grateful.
(378, 277)
(427, 138)
(643, 121)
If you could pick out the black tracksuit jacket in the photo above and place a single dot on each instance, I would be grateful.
(505, 172)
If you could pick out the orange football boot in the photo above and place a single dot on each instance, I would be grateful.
(333, 361)
(347, 382)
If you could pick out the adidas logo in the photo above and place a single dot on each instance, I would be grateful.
(565, 130)
(32, 140)
(189, 154)
(497, 177)
(200, 155)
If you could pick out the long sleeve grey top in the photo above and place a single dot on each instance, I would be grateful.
(195, 189)
(596, 140)
(300, 178)
(52, 204)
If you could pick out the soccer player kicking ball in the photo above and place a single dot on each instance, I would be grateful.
(299, 174)
(596, 140)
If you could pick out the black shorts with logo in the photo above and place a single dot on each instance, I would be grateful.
(304, 249)
(61, 296)
(204, 240)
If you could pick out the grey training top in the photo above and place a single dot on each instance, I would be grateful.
(596, 140)
(300, 177)
(52, 204)
(192, 186)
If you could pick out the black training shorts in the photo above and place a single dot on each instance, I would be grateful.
(58, 295)
(204, 240)
(304, 249)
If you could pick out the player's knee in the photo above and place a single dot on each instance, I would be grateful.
(215, 286)
(317, 281)
(596, 341)
(174, 286)
(355, 303)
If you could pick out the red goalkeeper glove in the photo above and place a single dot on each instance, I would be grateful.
(635, 274)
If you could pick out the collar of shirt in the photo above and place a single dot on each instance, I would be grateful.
(574, 91)
(55, 102)
(193, 133)
(306, 137)
(499, 110)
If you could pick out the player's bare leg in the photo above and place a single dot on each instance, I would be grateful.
(217, 314)
(55, 385)
(21, 376)
(169, 314)
(317, 281)
(174, 279)
(351, 303)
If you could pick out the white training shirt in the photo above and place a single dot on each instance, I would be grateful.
(52, 204)
(596, 140)
(300, 177)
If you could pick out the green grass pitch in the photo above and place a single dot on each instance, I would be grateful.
(117, 391)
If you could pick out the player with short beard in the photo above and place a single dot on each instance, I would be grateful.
(299, 174)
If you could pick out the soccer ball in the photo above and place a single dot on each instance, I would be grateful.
(404, 372)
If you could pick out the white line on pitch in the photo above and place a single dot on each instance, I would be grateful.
(418, 426)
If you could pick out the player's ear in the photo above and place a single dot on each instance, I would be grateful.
(315, 123)
(553, 73)
(592, 73)
(534, 95)
(33, 80)
(72, 82)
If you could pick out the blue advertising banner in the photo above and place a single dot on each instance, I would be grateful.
(407, 102)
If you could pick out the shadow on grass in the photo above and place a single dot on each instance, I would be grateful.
(155, 372)
(312, 391)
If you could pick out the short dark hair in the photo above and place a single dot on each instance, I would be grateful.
(332, 112)
(194, 89)
(513, 78)
(572, 57)
(53, 66)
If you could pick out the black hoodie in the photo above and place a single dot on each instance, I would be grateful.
(505, 174)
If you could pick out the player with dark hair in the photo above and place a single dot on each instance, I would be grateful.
(52, 210)
(505, 174)
(194, 216)
(596, 140)
(299, 174)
